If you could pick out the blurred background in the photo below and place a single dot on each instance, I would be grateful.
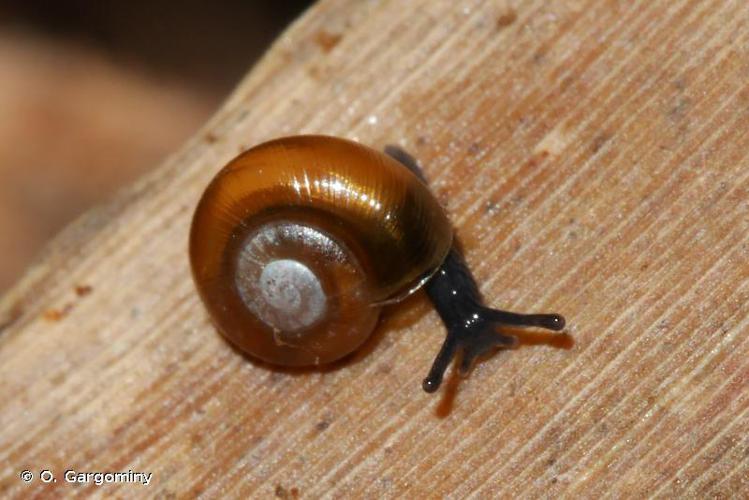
(93, 93)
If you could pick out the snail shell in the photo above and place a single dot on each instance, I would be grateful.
(297, 243)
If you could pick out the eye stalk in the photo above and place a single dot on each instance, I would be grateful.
(471, 326)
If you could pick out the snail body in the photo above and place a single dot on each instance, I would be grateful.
(297, 243)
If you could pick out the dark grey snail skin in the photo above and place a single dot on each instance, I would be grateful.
(471, 326)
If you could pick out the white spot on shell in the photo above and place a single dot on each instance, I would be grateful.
(287, 296)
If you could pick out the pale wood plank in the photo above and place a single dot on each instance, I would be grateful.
(593, 156)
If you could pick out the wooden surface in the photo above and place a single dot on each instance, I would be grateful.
(593, 157)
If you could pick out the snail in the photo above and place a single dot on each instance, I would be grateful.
(298, 243)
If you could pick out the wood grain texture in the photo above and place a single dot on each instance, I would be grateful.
(593, 158)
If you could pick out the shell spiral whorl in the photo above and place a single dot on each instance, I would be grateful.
(296, 241)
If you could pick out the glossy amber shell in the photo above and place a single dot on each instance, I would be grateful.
(368, 201)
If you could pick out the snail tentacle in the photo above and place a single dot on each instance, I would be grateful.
(471, 326)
